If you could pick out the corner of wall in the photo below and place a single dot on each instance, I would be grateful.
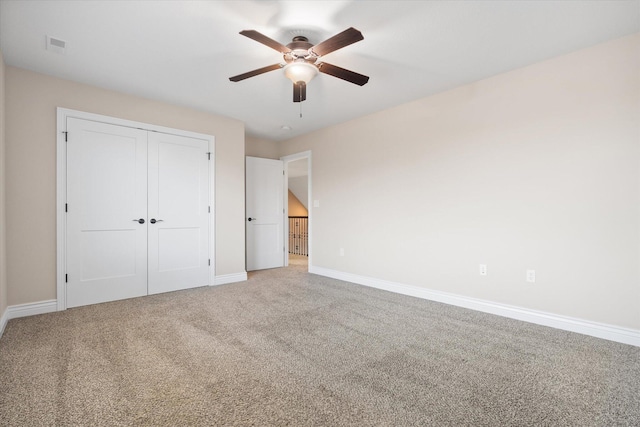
(3, 246)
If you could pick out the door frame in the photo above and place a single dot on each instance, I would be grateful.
(286, 160)
(61, 186)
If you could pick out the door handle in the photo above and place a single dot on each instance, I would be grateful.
(140, 221)
(251, 219)
(153, 220)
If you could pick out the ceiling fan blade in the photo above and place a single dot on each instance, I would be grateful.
(299, 91)
(261, 38)
(342, 73)
(345, 38)
(255, 72)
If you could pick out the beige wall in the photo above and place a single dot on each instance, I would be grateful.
(3, 253)
(295, 207)
(537, 168)
(258, 147)
(31, 101)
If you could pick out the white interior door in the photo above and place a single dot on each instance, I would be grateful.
(106, 198)
(138, 212)
(264, 213)
(178, 213)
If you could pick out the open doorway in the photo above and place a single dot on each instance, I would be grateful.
(297, 193)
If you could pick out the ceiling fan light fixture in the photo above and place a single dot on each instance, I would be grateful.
(300, 72)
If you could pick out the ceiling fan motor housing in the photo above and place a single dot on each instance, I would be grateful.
(300, 49)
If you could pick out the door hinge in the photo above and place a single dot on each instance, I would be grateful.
(209, 261)
(66, 135)
(66, 278)
(209, 209)
(66, 207)
(208, 156)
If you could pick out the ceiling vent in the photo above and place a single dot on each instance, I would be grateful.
(56, 45)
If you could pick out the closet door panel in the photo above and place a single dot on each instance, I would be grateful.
(178, 212)
(106, 195)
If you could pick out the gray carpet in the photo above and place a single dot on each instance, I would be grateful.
(290, 348)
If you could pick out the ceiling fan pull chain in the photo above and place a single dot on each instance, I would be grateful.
(300, 109)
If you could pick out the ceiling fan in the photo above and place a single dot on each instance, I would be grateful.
(302, 60)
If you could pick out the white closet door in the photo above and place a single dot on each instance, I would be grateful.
(265, 213)
(178, 213)
(106, 196)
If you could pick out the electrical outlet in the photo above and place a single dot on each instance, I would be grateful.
(341, 251)
(483, 269)
(531, 276)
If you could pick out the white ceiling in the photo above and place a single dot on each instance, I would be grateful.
(183, 52)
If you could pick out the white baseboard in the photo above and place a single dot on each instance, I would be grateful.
(3, 322)
(23, 310)
(230, 278)
(31, 309)
(581, 326)
(585, 327)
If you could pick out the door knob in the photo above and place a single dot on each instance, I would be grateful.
(141, 221)
(153, 220)
(251, 219)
